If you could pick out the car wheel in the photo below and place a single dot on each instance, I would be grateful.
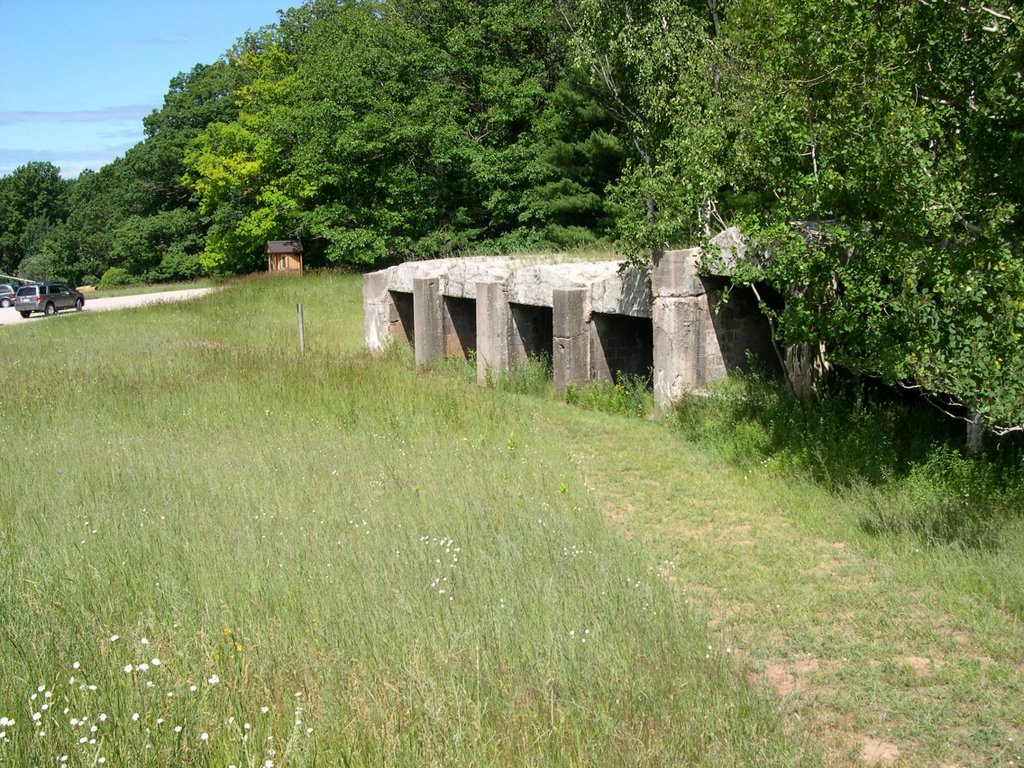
(24, 314)
(50, 309)
(79, 303)
(5, 303)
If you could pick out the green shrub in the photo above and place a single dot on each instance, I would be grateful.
(177, 264)
(37, 267)
(116, 277)
(904, 455)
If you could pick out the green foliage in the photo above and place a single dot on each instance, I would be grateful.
(37, 267)
(115, 277)
(529, 377)
(668, 104)
(160, 245)
(629, 395)
(33, 200)
(405, 130)
(580, 158)
(886, 129)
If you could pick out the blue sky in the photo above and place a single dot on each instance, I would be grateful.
(78, 76)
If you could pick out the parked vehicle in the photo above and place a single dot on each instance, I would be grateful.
(7, 292)
(48, 298)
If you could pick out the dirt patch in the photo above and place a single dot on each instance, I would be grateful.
(921, 665)
(828, 568)
(876, 752)
(787, 678)
(779, 679)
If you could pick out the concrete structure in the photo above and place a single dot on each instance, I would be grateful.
(283, 256)
(592, 320)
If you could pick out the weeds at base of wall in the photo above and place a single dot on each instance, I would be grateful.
(526, 377)
(629, 396)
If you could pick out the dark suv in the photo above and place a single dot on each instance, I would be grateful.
(48, 298)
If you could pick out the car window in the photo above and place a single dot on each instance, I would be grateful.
(27, 290)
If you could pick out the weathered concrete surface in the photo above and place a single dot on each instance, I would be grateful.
(377, 311)
(700, 334)
(429, 325)
(528, 281)
(494, 330)
(508, 308)
(571, 363)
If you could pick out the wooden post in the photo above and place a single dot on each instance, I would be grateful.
(302, 341)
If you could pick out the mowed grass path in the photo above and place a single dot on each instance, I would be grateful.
(215, 551)
(883, 650)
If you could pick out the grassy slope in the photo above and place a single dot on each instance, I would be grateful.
(288, 523)
(212, 545)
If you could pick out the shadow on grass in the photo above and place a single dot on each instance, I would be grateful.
(906, 455)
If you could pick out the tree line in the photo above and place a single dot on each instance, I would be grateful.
(869, 152)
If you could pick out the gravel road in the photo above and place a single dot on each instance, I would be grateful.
(10, 317)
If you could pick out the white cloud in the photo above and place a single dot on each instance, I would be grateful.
(70, 162)
(107, 114)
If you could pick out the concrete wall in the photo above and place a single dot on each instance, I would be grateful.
(592, 319)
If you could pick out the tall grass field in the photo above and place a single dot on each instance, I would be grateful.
(215, 551)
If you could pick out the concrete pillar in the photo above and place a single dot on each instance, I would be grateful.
(377, 310)
(428, 319)
(681, 321)
(493, 331)
(571, 349)
(679, 347)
